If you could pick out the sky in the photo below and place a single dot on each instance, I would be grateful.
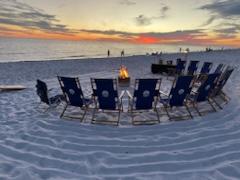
(189, 22)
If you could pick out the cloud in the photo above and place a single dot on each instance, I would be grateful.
(227, 13)
(227, 30)
(209, 21)
(127, 2)
(225, 9)
(15, 13)
(142, 20)
(156, 37)
(164, 10)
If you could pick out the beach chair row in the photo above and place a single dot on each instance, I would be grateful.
(186, 92)
(193, 67)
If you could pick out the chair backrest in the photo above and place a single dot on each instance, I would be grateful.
(219, 68)
(192, 68)
(206, 68)
(145, 94)
(72, 91)
(207, 87)
(105, 93)
(180, 67)
(42, 91)
(223, 80)
(182, 87)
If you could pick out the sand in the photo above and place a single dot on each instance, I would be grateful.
(39, 145)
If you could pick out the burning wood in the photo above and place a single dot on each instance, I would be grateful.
(123, 76)
(123, 72)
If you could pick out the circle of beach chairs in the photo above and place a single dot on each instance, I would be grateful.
(189, 89)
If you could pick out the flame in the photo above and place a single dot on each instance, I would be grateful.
(123, 72)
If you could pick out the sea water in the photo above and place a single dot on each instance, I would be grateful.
(13, 49)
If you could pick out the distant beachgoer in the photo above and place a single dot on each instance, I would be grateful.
(108, 52)
(122, 53)
(180, 49)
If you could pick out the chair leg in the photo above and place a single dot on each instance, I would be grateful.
(93, 115)
(84, 113)
(119, 112)
(64, 109)
(220, 107)
(212, 105)
(195, 107)
(166, 109)
(157, 115)
(189, 111)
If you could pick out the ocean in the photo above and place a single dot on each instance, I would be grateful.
(12, 49)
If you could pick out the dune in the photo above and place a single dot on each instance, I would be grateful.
(39, 145)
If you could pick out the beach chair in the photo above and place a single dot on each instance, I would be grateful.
(218, 90)
(206, 68)
(106, 99)
(219, 68)
(74, 97)
(177, 97)
(180, 67)
(43, 93)
(145, 98)
(192, 68)
(203, 93)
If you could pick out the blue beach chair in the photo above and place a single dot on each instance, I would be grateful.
(219, 68)
(192, 68)
(73, 96)
(206, 68)
(106, 98)
(43, 93)
(218, 91)
(177, 97)
(180, 67)
(145, 98)
(203, 93)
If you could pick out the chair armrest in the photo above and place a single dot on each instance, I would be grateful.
(194, 91)
(129, 94)
(50, 89)
(165, 94)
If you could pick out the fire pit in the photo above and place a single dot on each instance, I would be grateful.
(123, 77)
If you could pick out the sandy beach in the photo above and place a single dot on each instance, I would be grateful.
(39, 145)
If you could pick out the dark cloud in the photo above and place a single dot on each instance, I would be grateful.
(142, 20)
(227, 14)
(227, 30)
(20, 14)
(127, 2)
(226, 8)
(209, 21)
(181, 35)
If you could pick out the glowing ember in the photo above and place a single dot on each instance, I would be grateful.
(123, 72)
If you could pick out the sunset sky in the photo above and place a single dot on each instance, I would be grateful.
(193, 22)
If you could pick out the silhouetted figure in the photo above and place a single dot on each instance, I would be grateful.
(122, 53)
(108, 52)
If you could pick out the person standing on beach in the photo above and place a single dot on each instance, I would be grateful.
(122, 53)
(108, 52)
